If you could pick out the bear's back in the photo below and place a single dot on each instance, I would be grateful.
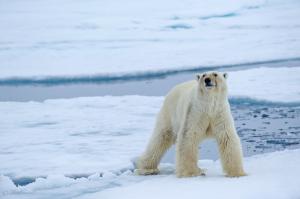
(181, 93)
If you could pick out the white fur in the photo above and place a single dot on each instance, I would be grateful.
(191, 113)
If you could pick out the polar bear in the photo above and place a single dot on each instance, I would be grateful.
(193, 111)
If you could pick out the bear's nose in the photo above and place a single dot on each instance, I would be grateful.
(207, 80)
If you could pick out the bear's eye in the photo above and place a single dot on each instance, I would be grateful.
(215, 74)
(203, 75)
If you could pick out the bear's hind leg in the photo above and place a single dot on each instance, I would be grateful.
(160, 141)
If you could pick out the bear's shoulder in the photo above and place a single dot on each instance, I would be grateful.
(182, 89)
(180, 92)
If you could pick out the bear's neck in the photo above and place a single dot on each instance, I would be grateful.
(208, 97)
(212, 101)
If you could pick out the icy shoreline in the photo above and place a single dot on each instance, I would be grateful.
(49, 80)
(259, 82)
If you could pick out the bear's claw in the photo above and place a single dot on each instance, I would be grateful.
(198, 172)
(240, 174)
(146, 171)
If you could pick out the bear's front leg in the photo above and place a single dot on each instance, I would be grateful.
(230, 149)
(187, 155)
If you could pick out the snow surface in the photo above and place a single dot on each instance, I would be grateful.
(274, 175)
(73, 38)
(68, 136)
(270, 84)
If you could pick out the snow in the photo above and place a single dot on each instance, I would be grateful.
(269, 176)
(270, 84)
(273, 175)
(6, 185)
(75, 136)
(75, 38)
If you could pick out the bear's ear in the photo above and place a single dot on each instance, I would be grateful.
(198, 76)
(225, 75)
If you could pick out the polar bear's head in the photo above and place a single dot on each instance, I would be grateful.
(211, 82)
